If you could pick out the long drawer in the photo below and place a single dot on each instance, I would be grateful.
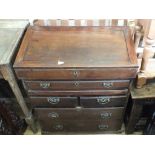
(54, 101)
(76, 85)
(67, 127)
(67, 120)
(79, 114)
(70, 74)
(76, 92)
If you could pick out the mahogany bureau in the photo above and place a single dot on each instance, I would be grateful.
(77, 78)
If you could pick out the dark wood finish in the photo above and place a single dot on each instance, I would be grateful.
(150, 126)
(133, 118)
(77, 93)
(77, 85)
(70, 74)
(76, 61)
(103, 101)
(54, 101)
(87, 42)
(69, 127)
(85, 120)
(79, 113)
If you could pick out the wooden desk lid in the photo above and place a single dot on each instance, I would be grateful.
(67, 47)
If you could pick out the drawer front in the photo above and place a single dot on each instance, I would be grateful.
(54, 101)
(69, 74)
(103, 101)
(76, 85)
(76, 92)
(80, 126)
(79, 114)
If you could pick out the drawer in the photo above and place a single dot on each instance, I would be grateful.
(79, 114)
(54, 101)
(76, 92)
(65, 127)
(103, 101)
(76, 85)
(69, 74)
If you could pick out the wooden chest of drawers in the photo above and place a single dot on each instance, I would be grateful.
(77, 78)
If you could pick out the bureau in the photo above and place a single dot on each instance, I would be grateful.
(77, 78)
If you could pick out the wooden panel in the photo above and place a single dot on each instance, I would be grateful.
(69, 127)
(79, 114)
(77, 93)
(54, 101)
(76, 85)
(85, 120)
(93, 43)
(103, 101)
(70, 74)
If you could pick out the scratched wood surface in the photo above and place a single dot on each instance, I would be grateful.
(57, 47)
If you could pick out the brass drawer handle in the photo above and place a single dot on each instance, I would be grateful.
(106, 115)
(53, 115)
(76, 73)
(58, 127)
(107, 84)
(53, 100)
(76, 84)
(103, 127)
(103, 100)
(44, 85)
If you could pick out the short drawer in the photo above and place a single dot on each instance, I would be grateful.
(53, 101)
(76, 85)
(66, 127)
(79, 114)
(103, 101)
